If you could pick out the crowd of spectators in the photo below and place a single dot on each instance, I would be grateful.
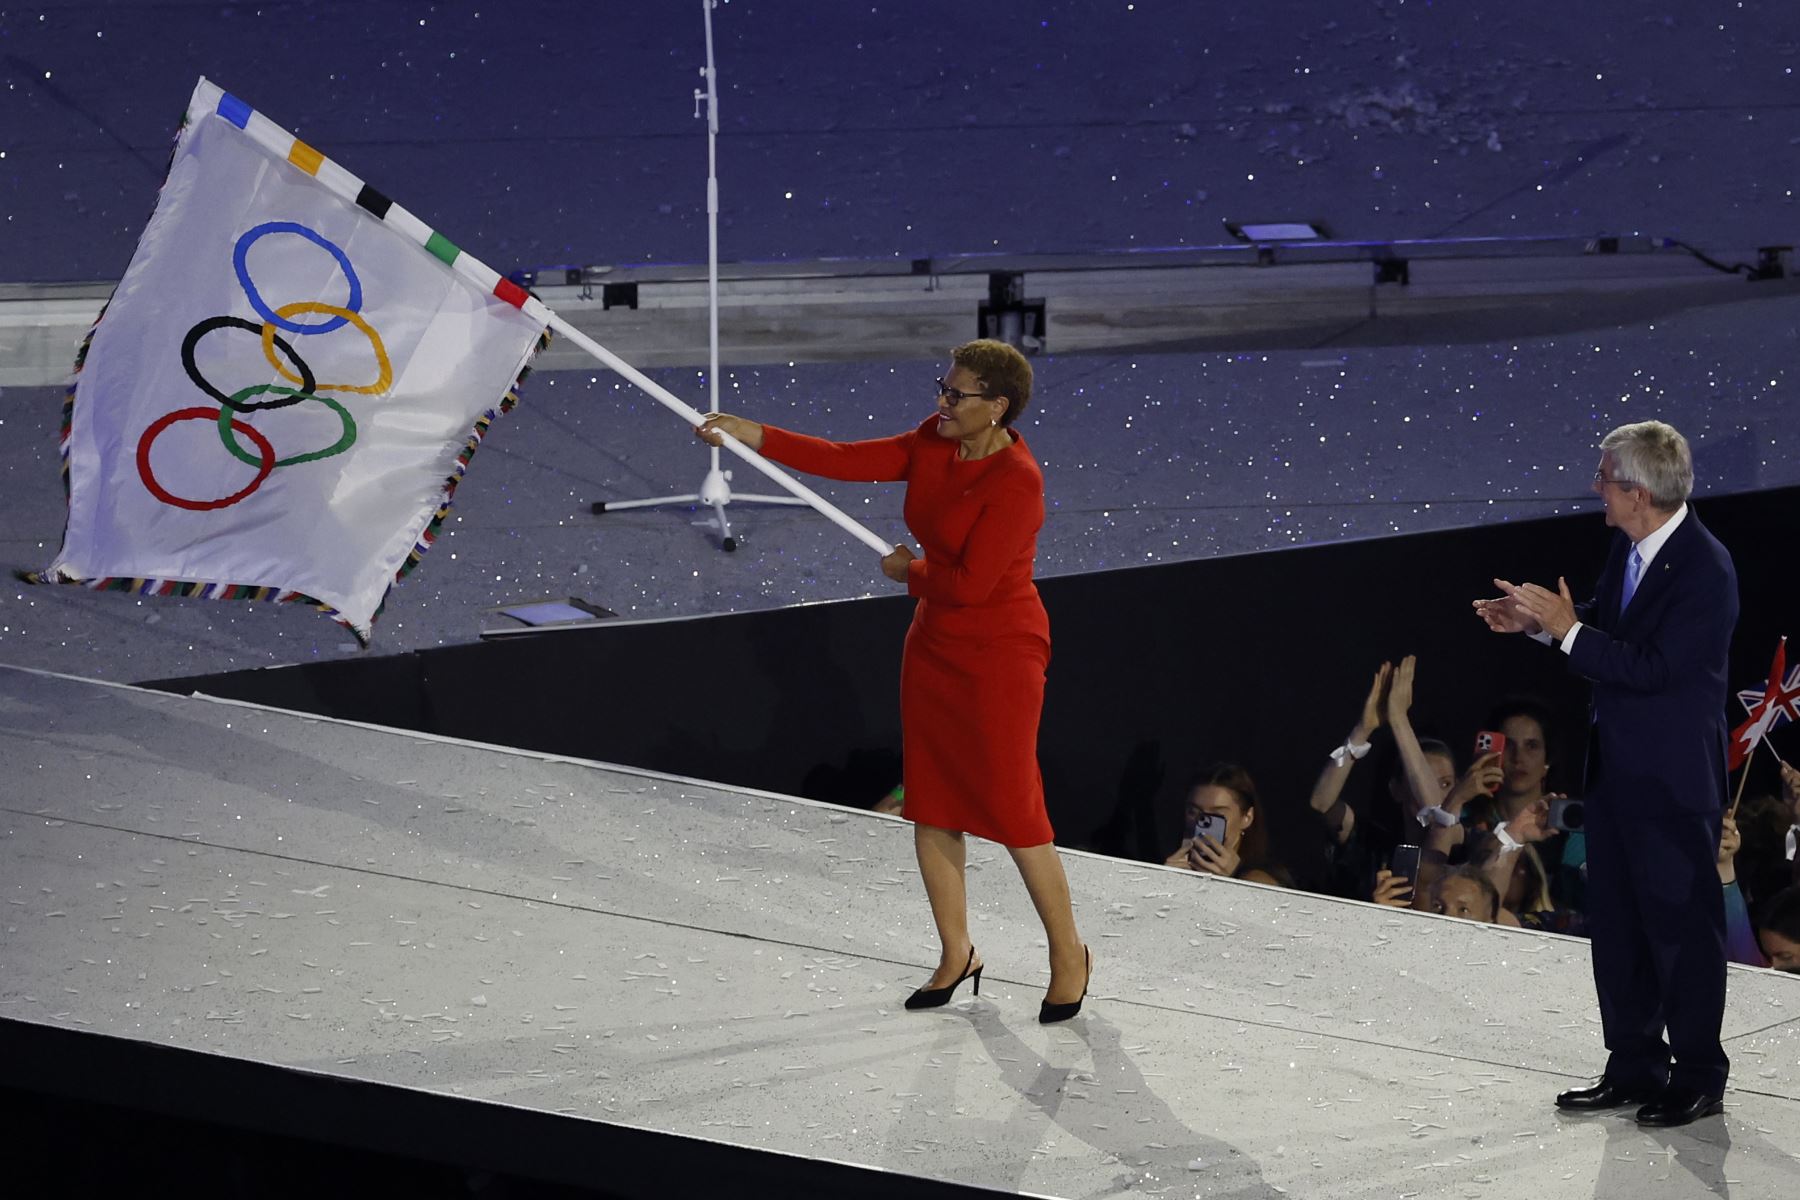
(1487, 842)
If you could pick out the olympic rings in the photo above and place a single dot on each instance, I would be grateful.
(384, 370)
(295, 370)
(229, 426)
(240, 263)
(199, 414)
(270, 341)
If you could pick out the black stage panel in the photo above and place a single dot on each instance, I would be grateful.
(1155, 672)
(181, 1122)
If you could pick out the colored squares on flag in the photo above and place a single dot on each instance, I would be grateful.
(279, 353)
(234, 110)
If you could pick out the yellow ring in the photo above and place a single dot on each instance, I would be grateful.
(384, 377)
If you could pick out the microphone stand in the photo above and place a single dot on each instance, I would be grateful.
(715, 489)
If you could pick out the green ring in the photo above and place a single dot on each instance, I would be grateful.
(229, 436)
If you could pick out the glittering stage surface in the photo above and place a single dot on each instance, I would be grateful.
(670, 954)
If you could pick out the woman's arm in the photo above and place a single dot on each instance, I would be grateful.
(1339, 818)
(1002, 531)
(1419, 779)
(878, 460)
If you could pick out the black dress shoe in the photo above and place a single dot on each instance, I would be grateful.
(938, 997)
(1050, 1014)
(1681, 1106)
(1607, 1094)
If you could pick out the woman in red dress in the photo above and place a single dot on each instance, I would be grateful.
(972, 676)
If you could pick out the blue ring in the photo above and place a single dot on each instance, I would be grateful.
(239, 260)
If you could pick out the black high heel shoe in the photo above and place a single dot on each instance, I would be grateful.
(938, 997)
(1049, 1014)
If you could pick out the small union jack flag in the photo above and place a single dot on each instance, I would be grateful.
(1777, 703)
(1786, 699)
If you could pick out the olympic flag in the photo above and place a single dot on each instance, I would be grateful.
(283, 392)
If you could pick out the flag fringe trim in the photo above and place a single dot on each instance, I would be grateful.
(213, 590)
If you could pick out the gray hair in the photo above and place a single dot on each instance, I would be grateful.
(1656, 457)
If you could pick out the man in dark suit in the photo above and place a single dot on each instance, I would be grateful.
(1654, 643)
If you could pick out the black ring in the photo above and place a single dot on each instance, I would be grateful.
(307, 379)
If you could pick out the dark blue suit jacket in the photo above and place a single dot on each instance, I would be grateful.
(1659, 675)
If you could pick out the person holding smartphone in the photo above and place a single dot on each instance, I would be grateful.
(1654, 644)
(1223, 834)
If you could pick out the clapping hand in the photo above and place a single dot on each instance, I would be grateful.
(1551, 612)
(1503, 614)
(1371, 709)
(1400, 689)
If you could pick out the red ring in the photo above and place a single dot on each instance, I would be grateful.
(200, 414)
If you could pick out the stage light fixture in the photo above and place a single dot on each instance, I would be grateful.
(1007, 316)
(1771, 262)
(567, 611)
(1277, 231)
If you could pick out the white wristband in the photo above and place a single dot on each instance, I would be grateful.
(1437, 814)
(1349, 750)
(1508, 844)
(1793, 841)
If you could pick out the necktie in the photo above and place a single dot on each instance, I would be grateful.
(1634, 570)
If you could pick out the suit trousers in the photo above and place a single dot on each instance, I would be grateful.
(1656, 917)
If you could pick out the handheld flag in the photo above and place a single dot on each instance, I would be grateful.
(283, 392)
(1775, 704)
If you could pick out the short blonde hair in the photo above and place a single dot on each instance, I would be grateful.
(1003, 371)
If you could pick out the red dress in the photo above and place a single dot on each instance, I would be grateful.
(972, 677)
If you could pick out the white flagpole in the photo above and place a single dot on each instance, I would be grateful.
(669, 400)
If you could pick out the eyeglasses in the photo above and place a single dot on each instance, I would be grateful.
(957, 397)
(1601, 479)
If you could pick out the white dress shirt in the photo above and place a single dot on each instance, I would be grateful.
(1647, 551)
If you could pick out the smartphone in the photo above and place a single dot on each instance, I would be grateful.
(1489, 741)
(1406, 862)
(1568, 814)
(1210, 825)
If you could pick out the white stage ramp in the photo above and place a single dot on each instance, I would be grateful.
(618, 950)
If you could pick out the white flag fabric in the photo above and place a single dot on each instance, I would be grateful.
(283, 392)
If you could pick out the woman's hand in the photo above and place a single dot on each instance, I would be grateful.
(894, 565)
(747, 432)
(1483, 778)
(1371, 709)
(1531, 824)
(1204, 854)
(1400, 691)
(1391, 890)
(1730, 841)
